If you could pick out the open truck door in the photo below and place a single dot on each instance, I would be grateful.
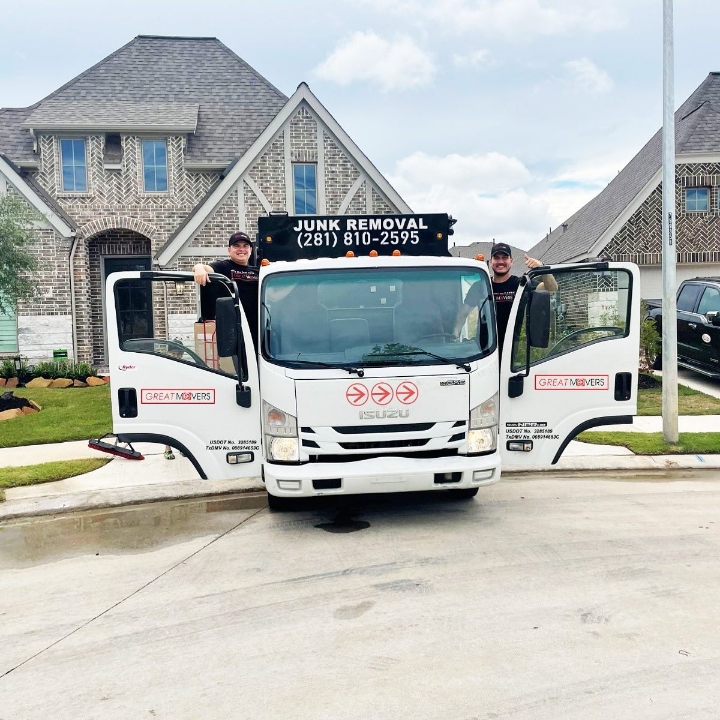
(179, 386)
(570, 360)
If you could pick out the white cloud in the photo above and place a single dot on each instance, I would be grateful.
(485, 193)
(513, 19)
(393, 65)
(488, 173)
(588, 77)
(474, 59)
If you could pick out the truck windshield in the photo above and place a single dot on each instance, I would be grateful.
(379, 316)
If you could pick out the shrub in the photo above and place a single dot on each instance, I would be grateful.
(7, 369)
(64, 369)
(649, 341)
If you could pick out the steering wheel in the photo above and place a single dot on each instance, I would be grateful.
(584, 331)
(443, 335)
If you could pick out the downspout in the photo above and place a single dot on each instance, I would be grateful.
(73, 312)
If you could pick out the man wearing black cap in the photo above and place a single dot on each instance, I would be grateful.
(504, 287)
(236, 268)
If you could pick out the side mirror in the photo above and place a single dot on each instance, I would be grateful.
(538, 325)
(713, 317)
(227, 327)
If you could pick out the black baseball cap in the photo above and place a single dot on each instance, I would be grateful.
(501, 249)
(237, 237)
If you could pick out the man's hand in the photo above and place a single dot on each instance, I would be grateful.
(532, 262)
(200, 272)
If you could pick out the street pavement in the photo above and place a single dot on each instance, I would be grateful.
(123, 482)
(548, 597)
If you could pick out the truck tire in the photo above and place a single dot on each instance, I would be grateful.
(464, 494)
(280, 504)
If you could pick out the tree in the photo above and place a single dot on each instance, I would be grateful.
(16, 261)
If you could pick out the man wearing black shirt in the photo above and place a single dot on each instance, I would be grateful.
(236, 268)
(504, 287)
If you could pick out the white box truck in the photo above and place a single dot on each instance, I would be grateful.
(359, 384)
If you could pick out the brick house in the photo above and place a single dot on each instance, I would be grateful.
(152, 158)
(624, 222)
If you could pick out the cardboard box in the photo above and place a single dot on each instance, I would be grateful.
(206, 347)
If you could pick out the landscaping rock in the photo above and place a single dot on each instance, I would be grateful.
(10, 414)
(40, 382)
(28, 410)
(2, 382)
(94, 382)
(34, 405)
(79, 383)
(11, 383)
(61, 383)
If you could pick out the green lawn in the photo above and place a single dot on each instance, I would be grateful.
(70, 414)
(653, 443)
(690, 402)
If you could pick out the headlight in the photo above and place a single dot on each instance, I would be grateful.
(483, 440)
(281, 435)
(485, 415)
(285, 449)
(278, 423)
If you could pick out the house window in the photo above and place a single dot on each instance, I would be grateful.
(697, 199)
(155, 165)
(72, 159)
(305, 188)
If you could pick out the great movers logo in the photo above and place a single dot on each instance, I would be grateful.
(572, 382)
(177, 396)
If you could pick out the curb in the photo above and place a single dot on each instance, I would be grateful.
(632, 468)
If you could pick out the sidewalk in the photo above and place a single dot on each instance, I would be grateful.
(126, 482)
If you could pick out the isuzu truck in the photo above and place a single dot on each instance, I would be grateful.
(360, 383)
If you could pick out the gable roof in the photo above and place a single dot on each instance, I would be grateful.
(234, 101)
(216, 195)
(37, 197)
(697, 133)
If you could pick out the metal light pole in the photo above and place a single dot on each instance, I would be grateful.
(669, 305)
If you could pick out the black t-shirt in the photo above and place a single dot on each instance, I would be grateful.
(246, 278)
(504, 294)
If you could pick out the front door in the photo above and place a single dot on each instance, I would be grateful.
(166, 390)
(586, 376)
(134, 298)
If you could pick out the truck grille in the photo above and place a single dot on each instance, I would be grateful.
(384, 444)
(366, 429)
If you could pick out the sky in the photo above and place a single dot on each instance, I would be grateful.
(508, 114)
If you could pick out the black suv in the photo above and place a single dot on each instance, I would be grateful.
(698, 325)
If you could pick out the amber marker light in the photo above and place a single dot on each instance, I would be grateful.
(265, 262)
(479, 256)
(373, 253)
(396, 253)
(268, 239)
(439, 236)
(349, 253)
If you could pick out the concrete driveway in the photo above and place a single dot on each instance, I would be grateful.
(551, 598)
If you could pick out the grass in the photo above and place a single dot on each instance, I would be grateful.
(70, 414)
(690, 402)
(48, 472)
(642, 443)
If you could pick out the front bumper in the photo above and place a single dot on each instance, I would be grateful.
(382, 475)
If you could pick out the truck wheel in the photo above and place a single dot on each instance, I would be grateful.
(279, 504)
(464, 494)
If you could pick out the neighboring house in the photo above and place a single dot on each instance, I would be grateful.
(152, 158)
(624, 222)
(483, 248)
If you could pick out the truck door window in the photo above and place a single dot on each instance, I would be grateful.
(688, 297)
(588, 307)
(175, 332)
(710, 301)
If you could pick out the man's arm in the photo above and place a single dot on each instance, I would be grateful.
(200, 271)
(547, 282)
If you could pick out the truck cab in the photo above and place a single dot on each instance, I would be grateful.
(360, 384)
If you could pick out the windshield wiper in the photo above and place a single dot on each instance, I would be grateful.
(446, 361)
(360, 372)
